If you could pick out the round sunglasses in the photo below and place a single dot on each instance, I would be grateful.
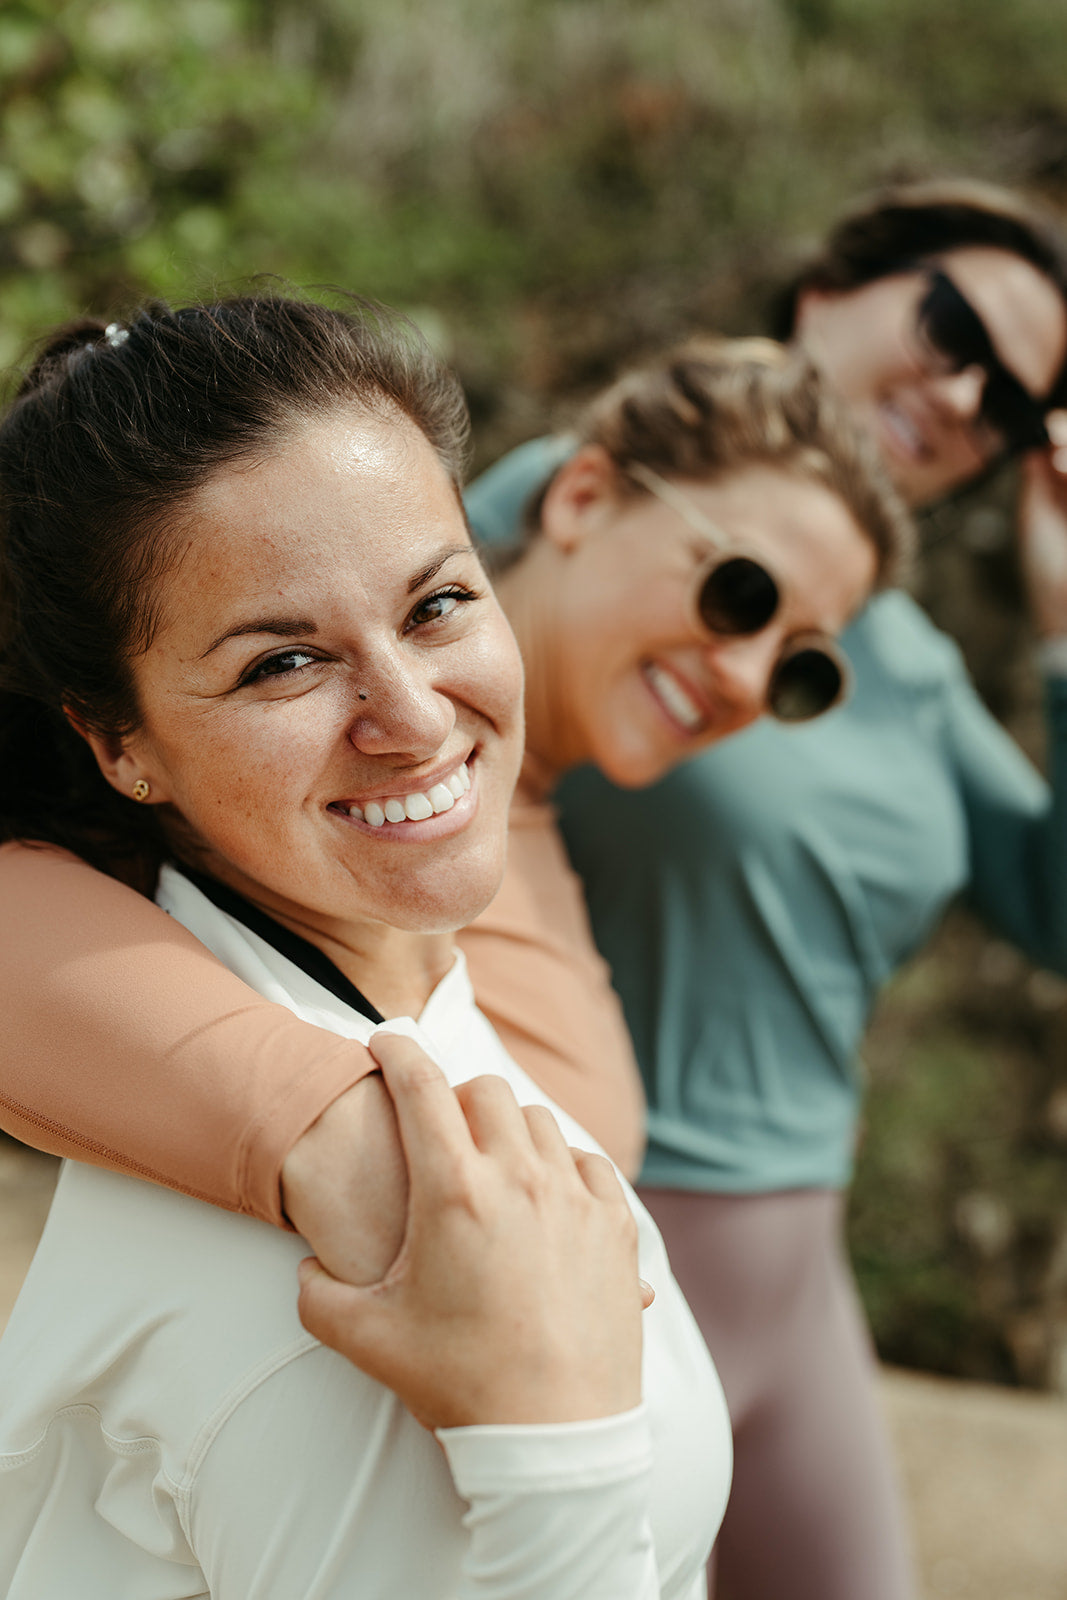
(736, 595)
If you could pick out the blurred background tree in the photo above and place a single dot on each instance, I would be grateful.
(551, 186)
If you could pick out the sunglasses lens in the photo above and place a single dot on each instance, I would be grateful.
(738, 596)
(804, 685)
(951, 326)
(958, 337)
(1013, 415)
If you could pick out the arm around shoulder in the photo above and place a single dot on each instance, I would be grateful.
(129, 1046)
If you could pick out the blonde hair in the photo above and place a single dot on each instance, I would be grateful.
(712, 406)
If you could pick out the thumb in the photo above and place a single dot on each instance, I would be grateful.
(337, 1314)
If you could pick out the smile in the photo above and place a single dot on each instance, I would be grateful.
(417, 806)
(903, 432)
(674, 699)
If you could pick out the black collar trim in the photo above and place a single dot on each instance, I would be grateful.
(308, 957)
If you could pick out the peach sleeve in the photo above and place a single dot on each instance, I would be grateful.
(539, 979)
(127, 1045)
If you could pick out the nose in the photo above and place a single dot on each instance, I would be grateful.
(959, 394)
(741, 673)
(397, 710)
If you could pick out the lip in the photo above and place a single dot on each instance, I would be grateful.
(414, 783)
(906, 436)
(681, 729)
(440, 826)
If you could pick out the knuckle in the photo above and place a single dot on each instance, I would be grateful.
(459, 1187)
(533, 1179)
(486, 1091)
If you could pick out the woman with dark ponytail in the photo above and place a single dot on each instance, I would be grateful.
(242, 616)
(194, 639)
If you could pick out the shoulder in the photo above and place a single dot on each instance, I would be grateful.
(122, 1245)
(895, 633)
(497, 499)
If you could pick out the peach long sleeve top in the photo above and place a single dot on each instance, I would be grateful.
(126, 1044)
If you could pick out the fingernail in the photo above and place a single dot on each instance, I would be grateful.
(306, 1269)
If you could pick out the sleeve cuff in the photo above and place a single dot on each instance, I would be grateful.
(487, 1459)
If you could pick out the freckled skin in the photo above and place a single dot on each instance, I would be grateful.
(320, 544)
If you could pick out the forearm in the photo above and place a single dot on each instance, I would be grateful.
(126, 1044)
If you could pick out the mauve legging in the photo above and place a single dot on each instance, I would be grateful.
(814, 1512)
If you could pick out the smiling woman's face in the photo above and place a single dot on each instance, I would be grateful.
(329, 658)
(644, 685)
(924, 419)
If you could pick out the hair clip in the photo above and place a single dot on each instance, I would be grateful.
(116, 334)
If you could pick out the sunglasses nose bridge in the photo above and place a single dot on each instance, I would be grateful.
(960, 393)
(742, 665)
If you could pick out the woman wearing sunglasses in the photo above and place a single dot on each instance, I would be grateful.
(785, 876)
(715, 524)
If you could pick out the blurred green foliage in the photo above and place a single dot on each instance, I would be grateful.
(549, 186)
(959, 1236)
(558, 179)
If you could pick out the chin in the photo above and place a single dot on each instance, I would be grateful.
(634, 773)
(450, 905)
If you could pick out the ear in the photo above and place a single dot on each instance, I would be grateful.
(582, 496)
(118, 756)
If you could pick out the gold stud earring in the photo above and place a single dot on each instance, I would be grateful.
(142, 789)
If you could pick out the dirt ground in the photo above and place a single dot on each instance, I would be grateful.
(985, 1470)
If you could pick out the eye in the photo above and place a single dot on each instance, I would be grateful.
(279, 666)
(440, 605)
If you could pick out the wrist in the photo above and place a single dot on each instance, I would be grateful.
(344, 1184)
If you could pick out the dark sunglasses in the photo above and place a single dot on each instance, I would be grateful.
(954, 335)
(736, 595)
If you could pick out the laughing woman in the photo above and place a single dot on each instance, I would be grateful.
(242, 622)
(717, 523)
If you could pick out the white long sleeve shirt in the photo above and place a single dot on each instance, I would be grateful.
(169, 1430)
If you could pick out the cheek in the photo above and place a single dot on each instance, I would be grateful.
(242, 764)
(488, 675)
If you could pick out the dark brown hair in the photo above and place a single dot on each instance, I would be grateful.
(905, 224)
(113, 430)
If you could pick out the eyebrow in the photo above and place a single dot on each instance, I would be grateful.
(284, 627)
(280, 627)
(430, 572)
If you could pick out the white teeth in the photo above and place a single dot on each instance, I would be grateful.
(415, 807)
(675, 700)
(905, 431)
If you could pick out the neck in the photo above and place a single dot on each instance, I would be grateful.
(395, 969)
(534, 600)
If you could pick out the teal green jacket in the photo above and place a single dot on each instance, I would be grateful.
(753, 903)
